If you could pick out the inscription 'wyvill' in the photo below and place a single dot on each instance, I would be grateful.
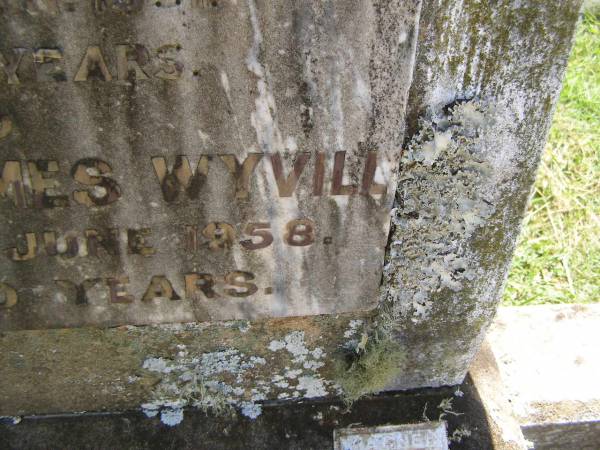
(36, 184)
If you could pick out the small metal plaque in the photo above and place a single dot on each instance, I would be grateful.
(422, 436)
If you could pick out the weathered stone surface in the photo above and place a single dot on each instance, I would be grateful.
(193, 161)
(166, 368)
(464, 184)
(301, 426)
(505, 429)
(448, 253)
(548, 358)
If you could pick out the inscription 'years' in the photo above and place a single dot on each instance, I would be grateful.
(132, 62)
(56, 7)
(236, 284)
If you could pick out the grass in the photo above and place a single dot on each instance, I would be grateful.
(558, 255)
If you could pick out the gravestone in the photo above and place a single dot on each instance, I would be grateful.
(209, 203)
(235, 160)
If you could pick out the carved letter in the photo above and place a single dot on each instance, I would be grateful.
(337, 186)
(169, 68)
(67, 245)
(109, 242)
(287, 185)
(239, 280)
(180, 177)
(121, 6)
(118, 293)
(319, 174)
(6, 126)
(92, 172)
(129, 59)
(16, 254)
(202, 282)
(80, 289)
(34, 7)
(93, 65)
(11, 65)
(300, 232)
(368, 184)
(136, 242)
(242, 172)
(11, 183)
(46, 65)
(40, 173)
(160, 287)
(8, 296)
(204, 4)
(220, 235)
(191, 238)
(257, 230)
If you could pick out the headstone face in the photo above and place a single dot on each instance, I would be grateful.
(194, 160)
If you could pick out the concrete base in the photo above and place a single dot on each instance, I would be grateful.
(549, 362)
(534, 378)
(307, 425)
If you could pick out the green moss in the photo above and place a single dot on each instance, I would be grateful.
(368, 369)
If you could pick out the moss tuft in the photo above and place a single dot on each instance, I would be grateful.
(369, 368)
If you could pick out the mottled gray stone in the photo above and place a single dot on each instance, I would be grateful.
(548, 358)
(237, 158)
(480, 100)
(464, 184)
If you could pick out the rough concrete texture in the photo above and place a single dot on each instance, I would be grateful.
(198, 161)
(465, 178)
(292, 425)
(163, 369)
(548, 360)
(467, 173)
(505, 429)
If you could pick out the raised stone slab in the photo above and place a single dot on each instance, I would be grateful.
(548, 359)
(304, 425)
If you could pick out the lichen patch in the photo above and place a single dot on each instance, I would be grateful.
(440, 204)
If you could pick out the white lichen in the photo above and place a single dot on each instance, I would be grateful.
(353, 328)
(171, 417)
(441, 203)
(11, 420)
(303, 380)
(204, 380)
(312, 386)
(194, 381)
(251, 410)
